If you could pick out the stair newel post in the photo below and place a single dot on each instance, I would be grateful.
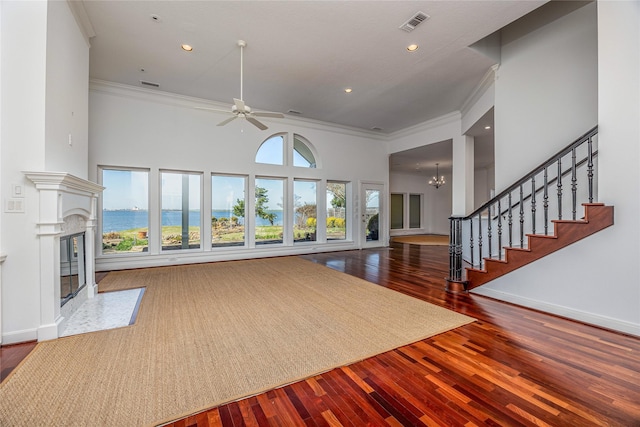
(590, 167)
(546, 203)
(480, 239)
(499, 230)
(510, 222)
(489, 229)
(574, 185)
(533, 204)
(454, 281)
(521, 217)
(559, 186)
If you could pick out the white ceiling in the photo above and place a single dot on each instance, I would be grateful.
(300, 55)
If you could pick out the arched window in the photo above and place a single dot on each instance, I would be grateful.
(271, 151)
(302, 153)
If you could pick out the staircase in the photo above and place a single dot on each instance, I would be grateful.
(528, 220)
(597, 217)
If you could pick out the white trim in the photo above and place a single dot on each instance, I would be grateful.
(122, 262)
(484, 85)
(82, 20)
(167, 98)
(16, 337)
(426, 126)
(582, 316)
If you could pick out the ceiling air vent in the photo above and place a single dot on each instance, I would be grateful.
(150, 84)
(414, 21)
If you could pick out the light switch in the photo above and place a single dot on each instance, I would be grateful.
(14, 205)
(17, 190)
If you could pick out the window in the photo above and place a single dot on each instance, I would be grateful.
(227, 210)
(269, 197)
(271, 151)
(302, 154)
(125, 211)
(304, 210)
(414, 211)
(397, 211)
(180, 210)
(336, 210)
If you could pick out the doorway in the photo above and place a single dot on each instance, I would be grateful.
(372, 216)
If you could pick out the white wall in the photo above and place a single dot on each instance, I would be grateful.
(67, 93)
(545, 91)
(484, 182)
(436, 203)
(133, 127)
(596, 280)
(29, 96)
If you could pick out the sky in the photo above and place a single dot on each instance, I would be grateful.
(126, 189)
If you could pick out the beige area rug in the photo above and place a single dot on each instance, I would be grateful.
(423, 239)
(212, 333)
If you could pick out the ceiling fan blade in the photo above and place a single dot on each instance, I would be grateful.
(256, 123)
(268, 114)
(224, 122)
(217, 110)
(240, 105)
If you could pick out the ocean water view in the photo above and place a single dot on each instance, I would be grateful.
(119, 220)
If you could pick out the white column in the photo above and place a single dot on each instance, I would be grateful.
(49, 228)
(462, 175)
(90, 248)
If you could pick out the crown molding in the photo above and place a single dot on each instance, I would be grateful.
(173, 99)
(82, 19)
(487, 81)
(447, 119)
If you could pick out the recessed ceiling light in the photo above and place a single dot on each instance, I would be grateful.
(187, 47)
(412, 47)
(487, 127)
(348, 90)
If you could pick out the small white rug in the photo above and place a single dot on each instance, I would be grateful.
(107, 310)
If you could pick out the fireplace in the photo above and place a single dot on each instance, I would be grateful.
(66, 233)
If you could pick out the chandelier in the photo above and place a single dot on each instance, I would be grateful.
(435, 181)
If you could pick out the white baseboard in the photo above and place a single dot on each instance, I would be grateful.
(16, 337)
(582, 316)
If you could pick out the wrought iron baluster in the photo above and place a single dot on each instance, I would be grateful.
(499, 230)
(559, 186)
(574, 185)
(480, 240)
(489, 221)
(590, 167)
(533, 204)
(471, 239)
(546, 203)
(510, 222)
(521, 218)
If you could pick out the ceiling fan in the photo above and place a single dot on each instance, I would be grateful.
(242, 110)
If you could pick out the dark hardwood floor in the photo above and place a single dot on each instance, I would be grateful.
(513, 367)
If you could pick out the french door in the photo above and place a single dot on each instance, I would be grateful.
(372, 231)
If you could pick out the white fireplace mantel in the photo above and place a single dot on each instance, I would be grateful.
(61, 195)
